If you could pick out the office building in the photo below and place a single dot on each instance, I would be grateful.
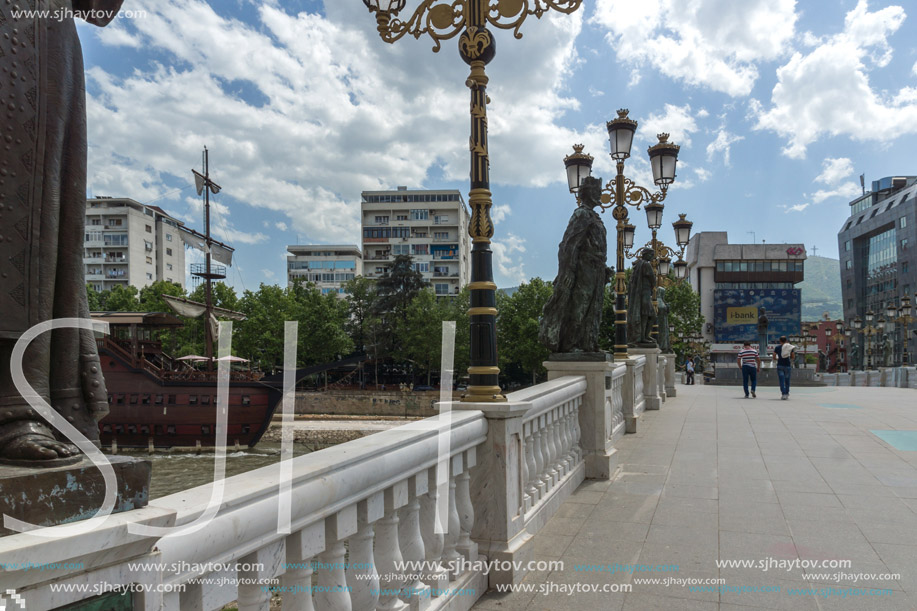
(737, 281)
(127, 242)
(328, 267)
(877, 245)
(429, 225)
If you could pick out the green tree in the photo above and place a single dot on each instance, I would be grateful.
(517, 327)
(260, 336)
(96, 303)
(363, 323)
(684, 313)
(396, 290)
(151, 301)
(322, 319)
(423, 332)
(120, 298)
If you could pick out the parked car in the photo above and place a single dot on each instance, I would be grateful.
(421, 387)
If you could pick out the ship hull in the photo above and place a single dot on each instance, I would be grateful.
(145, 409)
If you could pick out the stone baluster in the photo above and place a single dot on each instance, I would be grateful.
(388, 549)
(577, 432)
(550, 473)
(463, 503)
(539, 457)
(332, 581)
(531, 471)
(301, 548)
(432, 529)
(264, 564)
(563, 447)
(451, 556)
(362, 575)
(411, 540)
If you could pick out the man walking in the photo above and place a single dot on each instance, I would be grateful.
(689, 372)
(785, 354)
(750, 363)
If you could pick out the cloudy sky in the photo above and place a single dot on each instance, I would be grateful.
(778, 106)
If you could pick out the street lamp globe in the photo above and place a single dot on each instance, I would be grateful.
(385, 6)
(840, 326)
(857, 323)
(664, 266)
(663, 157)
(906, 306)
(654, 215)
(579, 166)
(621, 135)
(627, 233)
(681, 268)
(682, 230)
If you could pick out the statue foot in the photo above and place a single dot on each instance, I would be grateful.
(26, 442)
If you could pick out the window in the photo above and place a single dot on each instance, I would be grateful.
(149, 276)
(158, 400)
(420, 215)
(720, 266)
(119, 428)
(149, 260)
(205, 429)
(158, 429)
(850, 303)
(149, 229)
(168, 237)
(168, 252)
(441, 289)
(134, 399)
(169, 266)
(170, 429)
(192, 399)
(902, 222)
(904, 243)
(441, 235)
(441, 219)
(401, 217)
(420, 249)
(422, 267)
(106, 428)
(145, 429)
(246, 400)
(848, 264)
(132, 429)
(95, 221)
(904, 267)
(381, 220)
(145, 400)
(847, 245)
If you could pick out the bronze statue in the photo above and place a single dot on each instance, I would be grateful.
(42, 208)
(662, 316)
(641, 315)
(571, 318)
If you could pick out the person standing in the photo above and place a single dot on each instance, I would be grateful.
(750, 363)
(689, 372)
(785, 354)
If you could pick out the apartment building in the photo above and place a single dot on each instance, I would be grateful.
(429, 225)
(326, 266)
(127, 242)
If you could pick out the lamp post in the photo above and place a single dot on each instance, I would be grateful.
(621, 192)
(857, 324)
(840, 345)
(869, 332)
(847, 333)
(901, 315)
(442, 20)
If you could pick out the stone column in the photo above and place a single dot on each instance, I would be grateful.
(634, 399)
(650, 373)
(597, 419)
(670, 375)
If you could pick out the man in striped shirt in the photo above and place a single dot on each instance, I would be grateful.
(750, 363)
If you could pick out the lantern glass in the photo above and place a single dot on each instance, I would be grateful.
(890, 310)
(663, 158)
(869, 317)
(385, 6)
(664, 266)
(906, 307)
(681, 269)
(621, 135)
(628, 234)
(654, 215)
(682, 230)
(857, 323)
(579, 166)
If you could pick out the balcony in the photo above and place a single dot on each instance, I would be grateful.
(449, 274)
(441, 257)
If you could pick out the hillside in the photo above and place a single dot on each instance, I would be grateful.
(821, 290)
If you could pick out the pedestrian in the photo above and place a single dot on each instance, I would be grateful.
(750, 363)
(689, 372)
(785, 354)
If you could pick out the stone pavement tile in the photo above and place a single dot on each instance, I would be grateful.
(793, 472)
(551, 546)
(826, 451)
(692, 492)
(653, 602)
(674, 516)
(823, 514)
(681, 590)
(683, 535)
(878, 503)
(586, 497)
(687, 503)
(626, 508)
(912, 503)
(775, 525)
(808, 499)
(606, 549)
(891, 515)
(817, 485)
(749, 491)
(902, 533)
(905, 492)
(833, 597)
(746, 546)
(901, 559)
(730, 607)
(699, 556)
(512, 601)
(648, 468)
(595, 484)
(562, 526)
(863, 490)
(623, 531)
(574, 510)
(776, 595)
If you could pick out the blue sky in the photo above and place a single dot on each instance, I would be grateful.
(778, 105)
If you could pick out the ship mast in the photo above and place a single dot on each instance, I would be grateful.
(209, 273)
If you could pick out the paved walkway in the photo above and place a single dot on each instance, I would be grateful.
(714, 477)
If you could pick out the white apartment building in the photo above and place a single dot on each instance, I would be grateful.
(127, 242)
(429, 225)
(326, 266)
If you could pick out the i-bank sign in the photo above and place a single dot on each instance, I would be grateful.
(735, 313)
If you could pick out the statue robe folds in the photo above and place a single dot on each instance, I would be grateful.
(42, 215)
(573, 314)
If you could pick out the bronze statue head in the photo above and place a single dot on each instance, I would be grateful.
(647, 254)
(591, 191)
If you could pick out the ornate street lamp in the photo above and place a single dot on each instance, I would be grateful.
(579, 166)
(442, 20)
(621, 192)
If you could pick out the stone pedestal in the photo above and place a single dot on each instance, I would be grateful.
(670, 375)
(650, 374)
(632, 391)
(57, 495)
(660, 377)
(601, 416)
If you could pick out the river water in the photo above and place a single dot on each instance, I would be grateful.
(177, 471)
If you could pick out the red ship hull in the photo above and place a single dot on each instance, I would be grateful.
(146, 405)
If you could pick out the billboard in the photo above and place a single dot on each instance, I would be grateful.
(735, 313)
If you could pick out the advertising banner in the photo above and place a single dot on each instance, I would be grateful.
(735, 313)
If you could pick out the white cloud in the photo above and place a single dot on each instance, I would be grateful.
(722, 144)
(827, 91)
(281, 226)
(268, 274)
(297, 130)
(508, 258)
(847, 191)
(677, 121)
(709, 43)
(796, 208)
(834, 170)
(499, 212)
(702, 174)
(914, 69)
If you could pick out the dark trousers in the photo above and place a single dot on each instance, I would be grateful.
(783, 375)
(690, 378)
(749, 372)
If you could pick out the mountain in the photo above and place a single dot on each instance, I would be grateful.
(821, 290)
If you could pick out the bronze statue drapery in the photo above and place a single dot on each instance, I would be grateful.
(641, 314)
(42, 213)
